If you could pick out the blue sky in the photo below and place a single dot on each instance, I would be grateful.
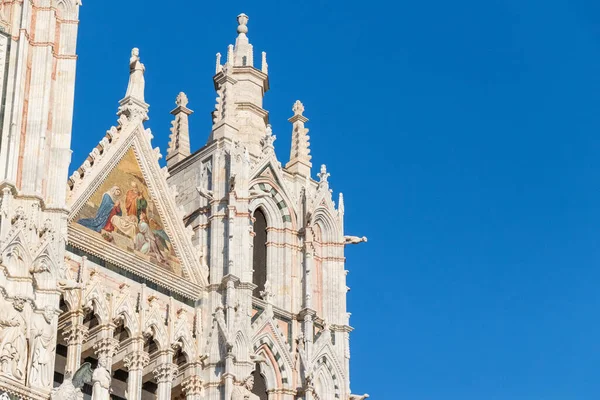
(465, 136)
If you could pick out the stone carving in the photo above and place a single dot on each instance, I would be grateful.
(207, 194)
(244, 391)
(267, 294)
(137, 83)
(359, 397)
(258, 193)
(101, 381)
(43, 345)
(267, 141)
(355, 239)
(70, 389)
(13, 344)
(182, 100)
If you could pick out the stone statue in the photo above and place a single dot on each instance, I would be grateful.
(43, 346)
(70, 389)
(355, 239)
(137, 83)
(244, 391)
(13, 344)
(101, 381)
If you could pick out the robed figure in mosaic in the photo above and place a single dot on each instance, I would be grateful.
(110, 206)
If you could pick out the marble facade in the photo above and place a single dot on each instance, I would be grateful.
(218, 276)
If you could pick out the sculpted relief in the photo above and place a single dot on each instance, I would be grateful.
(13, 342)
(122, 213)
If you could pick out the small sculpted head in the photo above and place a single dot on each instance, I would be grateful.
(48, 314)
(249, 382)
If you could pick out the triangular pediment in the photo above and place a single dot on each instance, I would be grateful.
(123, 212)
(266, 170)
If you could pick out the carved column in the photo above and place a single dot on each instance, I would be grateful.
(75, 335)
(192, 387)
(135, 363)
(165, 373)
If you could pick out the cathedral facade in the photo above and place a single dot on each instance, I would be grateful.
(218, 276)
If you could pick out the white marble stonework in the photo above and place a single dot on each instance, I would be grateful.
(219, 276)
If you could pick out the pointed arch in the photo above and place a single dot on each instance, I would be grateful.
(330, 229)
(281, 209)
(154, 325)
(241, 347)
(16, 258)
(280, 354)
(126, 310)
(325, 365)
(259, 252)
(95, 299)
(183, 335)
(269, 368)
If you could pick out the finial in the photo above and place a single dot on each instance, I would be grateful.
(218, 66)
(268, 140)
(230, 54)
(323, 175)
(182, 100)
(264, 65)
(242, 20)
(298, 108)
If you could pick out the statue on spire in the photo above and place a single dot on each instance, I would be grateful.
(137, 84)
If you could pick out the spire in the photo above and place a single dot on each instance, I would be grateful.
(179, 146)
(243, 49)
(133, 104)
(300, 154)
(240, 91)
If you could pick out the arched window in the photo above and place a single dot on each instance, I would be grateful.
(260, 386)
(259, 258)
(318, 271)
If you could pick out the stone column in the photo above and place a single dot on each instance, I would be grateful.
(192, 387)
(165, 373)
(135, 363)
(228, 375)
(75, 336)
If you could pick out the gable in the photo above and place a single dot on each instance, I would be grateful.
(123, 213)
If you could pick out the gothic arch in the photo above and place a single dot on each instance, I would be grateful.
(159, 334)
(330, 230)
(95, 300)
(269, 368)
(16, 258)
(184, 337)
(280, 356)
(65, 9)
(280, 207)
(324, 384)
(326, 367)
(126, 310)
(241, 347)
(216, 350)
